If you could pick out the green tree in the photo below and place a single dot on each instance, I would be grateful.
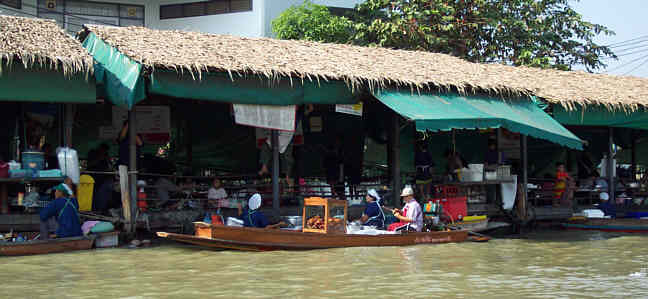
(539, 33)
(312, 22)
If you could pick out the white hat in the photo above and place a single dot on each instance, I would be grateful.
(374, 194)
(407, 191)
(254, 202)
(604, 196)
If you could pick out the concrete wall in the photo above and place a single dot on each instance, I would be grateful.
(253, 23)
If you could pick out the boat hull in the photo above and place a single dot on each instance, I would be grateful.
(610, 225)
(46, 247)
(255, 239)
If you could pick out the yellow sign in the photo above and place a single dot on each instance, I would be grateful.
(355, 109)
(132, 12)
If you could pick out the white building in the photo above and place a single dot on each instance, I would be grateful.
(251, 18)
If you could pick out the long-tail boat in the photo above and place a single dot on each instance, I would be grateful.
(45, 247)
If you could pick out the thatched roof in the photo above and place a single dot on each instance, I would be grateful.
(196, 53)
(41, 42)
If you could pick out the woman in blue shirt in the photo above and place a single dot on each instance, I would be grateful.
(251, 215)
(373, 214)
(66, 210)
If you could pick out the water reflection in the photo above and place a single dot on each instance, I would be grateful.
(540, 265)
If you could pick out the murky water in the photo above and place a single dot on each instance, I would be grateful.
(555, 264)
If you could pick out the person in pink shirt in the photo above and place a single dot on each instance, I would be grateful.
(411, 214)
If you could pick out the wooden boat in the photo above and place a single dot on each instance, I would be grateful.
(257, 239)
(45, 247)
(627, 225)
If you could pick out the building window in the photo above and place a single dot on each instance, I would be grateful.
(73, 14)
(12, 3)
(204, 8)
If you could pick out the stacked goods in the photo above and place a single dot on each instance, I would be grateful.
(336, 224)
(315, 222)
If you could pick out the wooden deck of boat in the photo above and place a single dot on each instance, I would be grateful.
(46, 247)
(256, 239)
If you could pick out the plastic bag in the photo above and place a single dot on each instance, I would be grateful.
(69, 163)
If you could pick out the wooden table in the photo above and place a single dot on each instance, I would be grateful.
(4, 182)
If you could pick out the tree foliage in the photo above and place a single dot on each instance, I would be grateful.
(539, 33)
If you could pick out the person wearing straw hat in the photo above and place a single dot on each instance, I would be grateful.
(411, 216)
(373, 214)
(66, 210)
(251, 215)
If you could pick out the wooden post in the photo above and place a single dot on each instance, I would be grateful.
(132, 151)
(396, 157)
(525, 176)
(275, 172)
(4, 197)
(125, 197)
(610, 165)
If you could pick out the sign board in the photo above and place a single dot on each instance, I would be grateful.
(266, 116)
(355, 109)
(153, 123)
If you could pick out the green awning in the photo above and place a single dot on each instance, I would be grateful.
(601, 116)
(443, 112)
(124, 83)
(119, 75)
(220, 87)
(42, 84)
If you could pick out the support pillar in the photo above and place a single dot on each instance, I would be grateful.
(633, 137)
(396, 178)
(132, 161)
(610, 165)
(275, 172)
(525, 175)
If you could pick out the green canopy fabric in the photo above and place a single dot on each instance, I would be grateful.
(41, 84)
(124, 84)
(221, 88)
(443, 112)
(120, 76)
(601, 116)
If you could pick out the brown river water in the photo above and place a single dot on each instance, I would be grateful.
(548, 264)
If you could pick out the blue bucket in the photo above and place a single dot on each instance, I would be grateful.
(33, 160)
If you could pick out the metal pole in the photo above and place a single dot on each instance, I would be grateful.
(610, 171)
(275, 172)
(396, 157)
(132, 161)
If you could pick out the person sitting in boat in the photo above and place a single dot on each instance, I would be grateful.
(251, 215)
(606, 206)
(411, 215)
(373, 214)
(66, 210)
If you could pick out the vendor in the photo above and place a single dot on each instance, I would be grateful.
(373, 214)
(606, 206)
(124, 145)
(66, 210)
(424, 166)
(564, 186)
(251, 215)
(411, 215)
(493, 157)
(454, 161)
